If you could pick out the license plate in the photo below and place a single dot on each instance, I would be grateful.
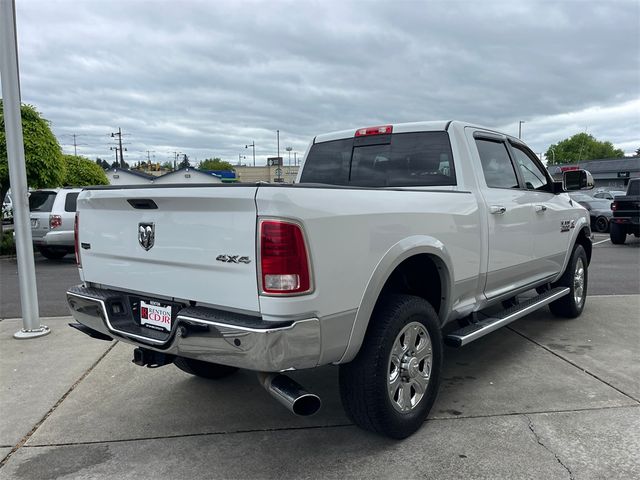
(34, 222)
(156, 316)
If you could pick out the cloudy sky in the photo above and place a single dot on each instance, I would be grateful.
(207, 78)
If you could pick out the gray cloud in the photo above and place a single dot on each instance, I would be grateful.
(206, 78)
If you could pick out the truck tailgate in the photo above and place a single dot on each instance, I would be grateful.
(199, 234)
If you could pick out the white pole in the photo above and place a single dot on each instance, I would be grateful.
(18, 174)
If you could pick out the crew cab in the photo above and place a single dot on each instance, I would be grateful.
(626, 213)
(393, 240)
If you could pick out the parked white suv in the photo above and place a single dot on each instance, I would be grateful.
(52, 215)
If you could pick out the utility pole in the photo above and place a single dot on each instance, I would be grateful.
(252, 145)
(520, 128)
(278, 137)
(115, 149)
(295, 158)
(75, 146)
(119, 135)
(149, 152)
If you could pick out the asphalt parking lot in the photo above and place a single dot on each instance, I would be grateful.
(543, 398)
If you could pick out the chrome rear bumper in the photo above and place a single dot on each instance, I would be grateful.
(208, 335)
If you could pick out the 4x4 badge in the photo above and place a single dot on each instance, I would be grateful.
(146, 235)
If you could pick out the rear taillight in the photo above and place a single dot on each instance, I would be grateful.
(75, 238)
(614, 206)
(54, 221)
(284, 263)
(381, 130)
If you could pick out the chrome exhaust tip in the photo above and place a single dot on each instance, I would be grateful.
(290, 393)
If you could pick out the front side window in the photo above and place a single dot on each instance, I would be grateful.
(496, 164)
(534, 178)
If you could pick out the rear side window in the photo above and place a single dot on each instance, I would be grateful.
(496, 164)
(634, 188)
(397, 160)
(41, 201)
(70, 202)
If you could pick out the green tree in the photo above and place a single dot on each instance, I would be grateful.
(580, 147)
(102, 163)
(42, 152)
(81, 171)
(215, 164)
(185, 162)
(167, 166)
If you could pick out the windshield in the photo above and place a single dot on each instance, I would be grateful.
(397, 160)
(41, 201)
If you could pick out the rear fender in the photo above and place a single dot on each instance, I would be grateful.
(401, 251)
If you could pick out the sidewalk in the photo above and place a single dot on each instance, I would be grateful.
(545, 398)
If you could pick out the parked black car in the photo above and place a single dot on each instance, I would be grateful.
(599, 210)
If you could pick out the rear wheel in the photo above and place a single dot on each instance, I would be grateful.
(601, 224)
(203, 369)
(617, 234)
(52, 254)
(575, 277)
(392, 383)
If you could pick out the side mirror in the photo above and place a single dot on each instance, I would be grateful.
(577, 180)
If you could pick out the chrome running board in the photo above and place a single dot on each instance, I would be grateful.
(475, 331)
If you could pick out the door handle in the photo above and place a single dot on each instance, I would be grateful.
(497, 209)
(541, 208)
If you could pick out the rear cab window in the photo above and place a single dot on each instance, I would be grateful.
(392, 160)
(41, 201)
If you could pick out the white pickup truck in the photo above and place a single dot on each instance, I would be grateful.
(394, 240)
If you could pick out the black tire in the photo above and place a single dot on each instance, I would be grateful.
(364, 387)
(571, 305)
(617, 234)
(601, 225)
(203, 369)
(52, 254)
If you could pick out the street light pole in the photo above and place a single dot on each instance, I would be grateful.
(520, 128)
(252, 145)
(31, 326)
(288, 149)
(278, 139)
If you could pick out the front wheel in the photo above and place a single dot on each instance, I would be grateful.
(202, 369)
(390, 386)
(576, 278)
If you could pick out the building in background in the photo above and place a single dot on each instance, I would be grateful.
(611, 173)
(268, 173)
(273, 173)
(187, 175)
(124, 176)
